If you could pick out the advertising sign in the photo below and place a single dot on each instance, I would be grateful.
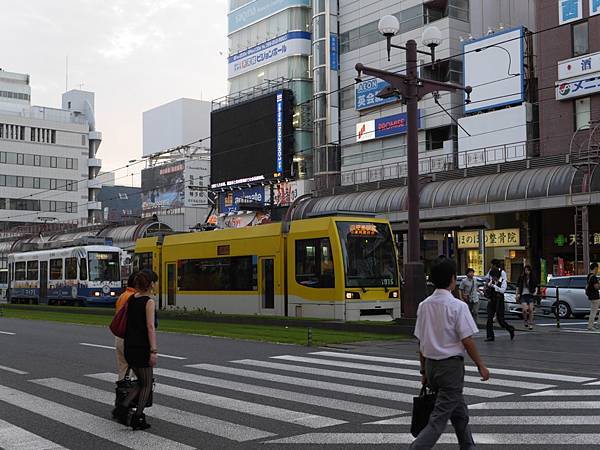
(196, 176)
(257, 10)
(507, 237)
(581, 65)
(333, 51)
(577, 87)
(252, 141)
(284, 194)
(292, 43)
(382, 127)
(365, 94)
(163, 188)
(569, 11)
(594, 7)
(233, 201)
(493, 67)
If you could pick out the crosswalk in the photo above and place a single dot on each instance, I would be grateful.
(317, 398)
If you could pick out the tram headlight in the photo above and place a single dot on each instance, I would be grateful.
(352, 296)
(394, 294)
(96, 294)
(112, 293)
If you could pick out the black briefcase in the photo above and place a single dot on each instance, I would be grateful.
(125, 386)
(422, 408)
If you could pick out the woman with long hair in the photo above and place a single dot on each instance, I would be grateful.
(140, 347)
(526, 290)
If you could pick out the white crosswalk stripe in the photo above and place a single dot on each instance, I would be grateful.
(81, 420)
(11, 370)
(13, 437)
(468, 368)
(285, 400)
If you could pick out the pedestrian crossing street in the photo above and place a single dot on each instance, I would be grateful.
(323, 397)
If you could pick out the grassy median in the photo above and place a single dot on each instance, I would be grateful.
(269, 333)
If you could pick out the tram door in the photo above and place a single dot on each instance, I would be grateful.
(43, 282)
(267, 284)
(171, 284)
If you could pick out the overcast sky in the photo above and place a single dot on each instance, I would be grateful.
(134, 54)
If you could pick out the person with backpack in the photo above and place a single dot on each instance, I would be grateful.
(526, 290)
(592, 291)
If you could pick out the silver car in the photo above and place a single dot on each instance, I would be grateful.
(510, 303)
(572, 300)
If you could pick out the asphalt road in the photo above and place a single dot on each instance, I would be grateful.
(57, 380)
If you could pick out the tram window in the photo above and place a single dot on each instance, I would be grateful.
(20, 271)
(56, 269)
(3, 277)
(32, 270)
(314, 263)
(70, 268)
(83, 269)
(142, 261)
(238, 273)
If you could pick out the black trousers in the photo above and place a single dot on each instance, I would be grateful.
(496, 307)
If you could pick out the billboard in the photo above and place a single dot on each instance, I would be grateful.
(581, 65)
(197, 179)
(289, 44)
(256, 10)
(365, 94)
(578, 87)
(383, 127)
(163, 187)
(252, 141)
(493, 67)
(233, 201)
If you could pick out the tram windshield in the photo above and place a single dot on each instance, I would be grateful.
(369, 256)
(104, 266)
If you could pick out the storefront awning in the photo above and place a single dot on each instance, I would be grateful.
(518, 191)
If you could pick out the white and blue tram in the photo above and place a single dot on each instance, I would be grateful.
(83, 275)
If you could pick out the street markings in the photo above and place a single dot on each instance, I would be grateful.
(13, 437)
(494, 371)
(186, 419)
(87, 344)
(89, 423)
(10, 369)
(8, 333)
(318, 397)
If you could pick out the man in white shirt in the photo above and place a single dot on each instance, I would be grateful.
(468, 293)
(444, 329)
(495, 307)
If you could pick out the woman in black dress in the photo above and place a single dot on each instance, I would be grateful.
(140, 344)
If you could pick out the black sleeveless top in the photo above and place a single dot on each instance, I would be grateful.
(137, 345)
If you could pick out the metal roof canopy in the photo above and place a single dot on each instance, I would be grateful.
(539, 183)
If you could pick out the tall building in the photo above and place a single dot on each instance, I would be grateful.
(175, 184)
(48, 157)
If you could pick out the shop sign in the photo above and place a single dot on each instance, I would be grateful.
(365, 94)
(569, 11)
(581, 65)
(578, 87)
(256, 10)
(383, 127)
(561, 240)
(506, 237)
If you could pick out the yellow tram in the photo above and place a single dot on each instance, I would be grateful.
(336, 267)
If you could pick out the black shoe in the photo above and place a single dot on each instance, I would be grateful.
(121, 413)
(139, 422)
(512, 333)
(489, 340)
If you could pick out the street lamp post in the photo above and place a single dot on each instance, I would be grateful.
(410, 88)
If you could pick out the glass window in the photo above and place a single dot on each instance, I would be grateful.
(20, 272)
(83, 269)
(70, 268)
(104, 266)
(2, 154)
(578, 283)
(559, 282)
(28, 182)
(2, 180)
(61, 163)
(44, 183)
(314, 263)
(11, 181)
(56, 269)
(583, 113)
(3, 276)
(580, 39)
(28, 159)
(11, 158)
(369, 255)
(32, 270)
(53, 161)
(45, 161)
(69, 163)
(20, 159)
(142, 261)
(19, 181)
(237, 273)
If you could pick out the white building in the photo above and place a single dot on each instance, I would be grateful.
(48, 158)
(174, 185)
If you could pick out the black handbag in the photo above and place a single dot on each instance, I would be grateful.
(125, 386)
(422, 409)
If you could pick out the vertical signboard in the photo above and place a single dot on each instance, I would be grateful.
(333, 51)
(279, 133)
(569, 11)
(594, 7)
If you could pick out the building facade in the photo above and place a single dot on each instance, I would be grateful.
(48, 157)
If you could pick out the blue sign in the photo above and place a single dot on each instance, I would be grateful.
(279, 133)
(366, 94)
(333, 51)
(234, 201)
(391, 125)
(257, 10)
(569, 10)
(594, 7)
(289, 44)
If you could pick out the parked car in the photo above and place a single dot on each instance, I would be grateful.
(572, 300)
